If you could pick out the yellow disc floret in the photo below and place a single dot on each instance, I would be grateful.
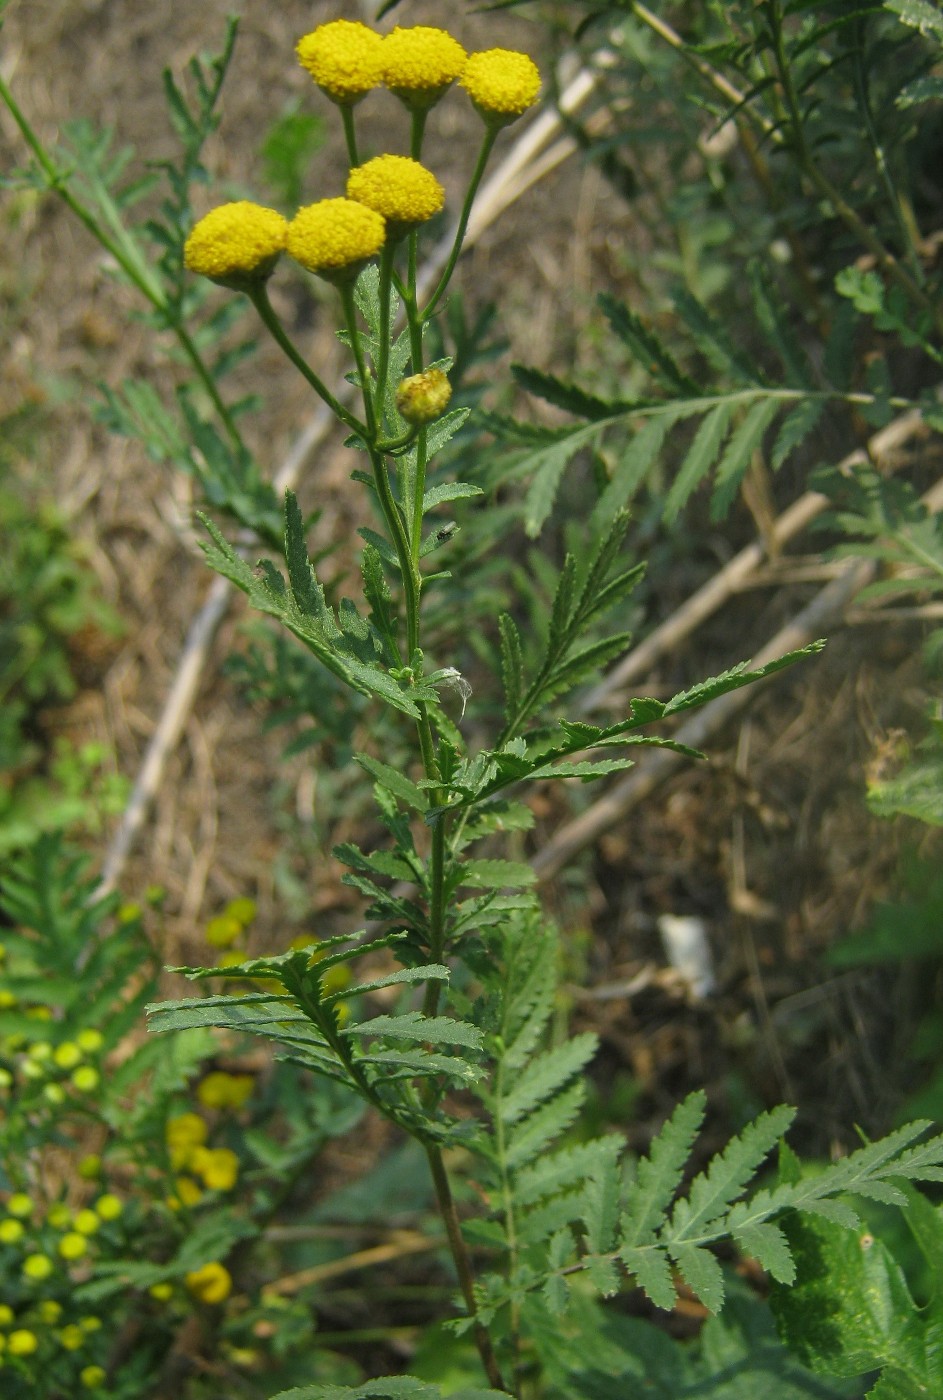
(236, 244)
(423, 397)
(343, 58)
(211, 1284)
(502, 84)
(419, 63)
(335, 237)
(400, 189)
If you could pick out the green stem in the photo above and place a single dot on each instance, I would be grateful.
(491, 135)
(417, 130)
(463, 1267)
(383, 359)
(259, 298)
(350, 134)
(125, 254)
(356, 344)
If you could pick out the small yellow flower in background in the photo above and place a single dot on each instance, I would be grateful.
(218, 1166)
(50, 1311)
(92, 1377)
(501, 83)
(37, 1267)
(90, 1040)
(223, 931)
(11, 1231)
(67, 1055)
(6, 1315)
(90, 1324)
(40, 1050)
(87, 1222)
(7, 1000)
(162, 1292)
(54, 1094)
(20, 1205)
(243, 909)
(211, 1284)
(335, 237)
(109, 1207)
(236, 244)
(128, 913)
(186, 1130)
(221, 1090)
(6, 1078)
(85, 1079)
(188, 1191)
(423, 397)
(22, 1342)
(72, 1337)
(59, 1216)
(73, 1245)
(419, 63)
(399, 188)
(343, 58)
(90, 1167)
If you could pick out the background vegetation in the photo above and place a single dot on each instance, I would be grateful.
(719, 295)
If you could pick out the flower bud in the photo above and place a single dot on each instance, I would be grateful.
(423, 397)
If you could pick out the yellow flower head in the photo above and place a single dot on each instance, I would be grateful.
(236, 244)
(73, 1245)
(223, 930)
(218, 1166)
(221, 1090)
(22, 1342)
(343, 58)
(335, 237)
(400, 189)
(186, 1130)
(419, 64)
(211, 1284)
(109, 1207)
(92, 1377)
(423, 397)
(501, 83)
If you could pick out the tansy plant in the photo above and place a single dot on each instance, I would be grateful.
(460, 1057)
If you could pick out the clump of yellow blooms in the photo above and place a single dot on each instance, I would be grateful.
(335, 237)
(73, 1245)
(211, 1284)
(419, 63)
(343, 58)
(221, 1090)
(22, 1342)
(236, 243)
(400, 189)
(421, 398)
(108, 1206)
(501, 83)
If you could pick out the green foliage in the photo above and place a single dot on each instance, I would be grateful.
(853, 1311)
(290, 143)
(384, 1388)
(455, 996)
(48, 596)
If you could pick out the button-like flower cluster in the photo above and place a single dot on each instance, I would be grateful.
(501, 83)
(236, 242)
(335, 237)
(420, 63)
(343, 58)
(400, 189)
